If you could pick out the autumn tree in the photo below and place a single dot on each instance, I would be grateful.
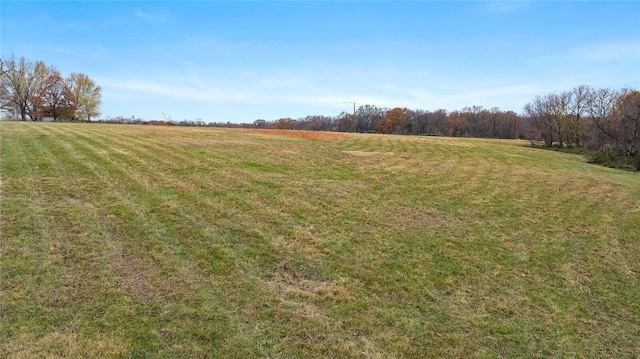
(56, 98)
(392, 121)
(344, 122)
(285, 124)
(36, 106)
(34, 91)
(456, 124)
(87, 94)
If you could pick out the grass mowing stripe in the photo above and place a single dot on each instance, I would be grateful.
(133, 265)
(550, 222)
(538, 207)
(387, 246)
(36, 285)
(99, 164)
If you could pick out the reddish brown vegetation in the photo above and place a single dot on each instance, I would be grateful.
(307, 135)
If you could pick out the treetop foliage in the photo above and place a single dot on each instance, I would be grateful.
(35, 91)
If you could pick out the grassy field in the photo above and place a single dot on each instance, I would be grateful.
(173, 242)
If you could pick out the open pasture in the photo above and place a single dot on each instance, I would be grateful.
(167, 242)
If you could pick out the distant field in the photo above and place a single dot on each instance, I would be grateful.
(174, 242)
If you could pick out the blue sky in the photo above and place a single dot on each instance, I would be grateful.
(241, 61)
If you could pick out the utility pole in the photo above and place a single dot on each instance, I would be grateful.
(354, 106)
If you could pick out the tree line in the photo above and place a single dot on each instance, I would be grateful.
(602, 120)
(34, 91)
(599, 119)
(474, 121)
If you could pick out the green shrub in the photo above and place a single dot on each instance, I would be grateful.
(612, 156)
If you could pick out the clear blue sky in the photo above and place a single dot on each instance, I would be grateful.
(241, 61)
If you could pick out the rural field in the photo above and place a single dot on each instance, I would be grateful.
(184, 242)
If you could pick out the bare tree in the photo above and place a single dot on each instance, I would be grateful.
(344, 122)
(16, 83)
(571, 117)
(601, 109)
(626, 119)
(367, 117)
(475, 119)
(543, 123)
(316, 123)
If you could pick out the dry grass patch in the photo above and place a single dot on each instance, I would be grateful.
(307, 135)
(67, 345)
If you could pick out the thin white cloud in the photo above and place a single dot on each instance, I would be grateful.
(142, 15)
(316, 85)
(184, 92)
(316, 89)
(149, 17)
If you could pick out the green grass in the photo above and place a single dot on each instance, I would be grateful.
(165, 242)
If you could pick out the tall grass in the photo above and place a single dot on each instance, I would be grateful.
(136, 241)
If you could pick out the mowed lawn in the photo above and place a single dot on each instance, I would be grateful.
(173, 242)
